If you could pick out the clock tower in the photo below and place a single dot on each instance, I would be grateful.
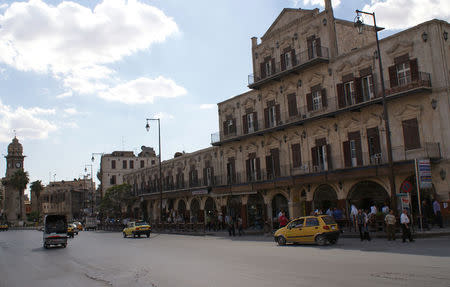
(13, 203)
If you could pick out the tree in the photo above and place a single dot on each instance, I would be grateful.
(19, 181)
(36, 187)
(115, 197)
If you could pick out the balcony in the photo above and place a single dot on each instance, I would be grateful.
(301, 61)
(408, 86)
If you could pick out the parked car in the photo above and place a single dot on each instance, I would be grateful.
(137, 229)
(4, 227)
(320, 229)
(72, 230)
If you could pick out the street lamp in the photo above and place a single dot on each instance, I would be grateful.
(359, 24)
(147, 127)
(92, 187)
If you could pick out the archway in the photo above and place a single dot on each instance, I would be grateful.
(279, 203)
(366, 193)
(181, 210)
(210, 206)
(234, 206)
(255, 211)
(195, 211)
(325, 197)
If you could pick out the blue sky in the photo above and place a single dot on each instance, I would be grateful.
(78, 77)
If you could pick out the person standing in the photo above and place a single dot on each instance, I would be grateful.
(406, 231)
(390, 225)
(220, 221)
(354, 214)
(239, 224)
(361, 222)
(283, 220)
(437, 212)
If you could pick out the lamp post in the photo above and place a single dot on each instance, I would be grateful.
(147, 126)
(92, 187)
(360, 25)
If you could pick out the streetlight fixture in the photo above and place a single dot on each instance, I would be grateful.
(147, 127)
(359, 24)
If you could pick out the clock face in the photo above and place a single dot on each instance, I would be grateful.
(18, 164)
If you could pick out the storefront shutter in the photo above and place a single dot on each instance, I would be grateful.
(393, 80)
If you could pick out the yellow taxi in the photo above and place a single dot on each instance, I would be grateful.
(3, 227)
(71, 230)
(137, 229)
(320, 229)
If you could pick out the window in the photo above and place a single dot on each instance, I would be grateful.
(112, 180)
(314, 47)
(252, 169)
(142, 164)
(124, 164)
(131, 164)
(353, 152)
(296, 156)
(321, 155)
(297, 223)
(349, 92)
(367, 88)
(207, 176)
(411, 134)
(180, 179)
(288, 60)
(268, 67)
(312, 221)
(231, 172)
(250, 124)
(403, 74)
(316, 100)
(193, 177)
(272, 116)
(229, 126)
(153, 163)
(292, 105)
(273, 164)
(113, 164)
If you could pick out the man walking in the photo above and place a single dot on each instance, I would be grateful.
(437, 212)
(406, 231)
(390, 225)
(361, 220)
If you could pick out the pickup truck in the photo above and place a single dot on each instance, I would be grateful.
(55, 230)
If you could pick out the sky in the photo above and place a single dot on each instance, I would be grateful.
(81, 77)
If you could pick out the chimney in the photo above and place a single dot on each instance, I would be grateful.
(328, 5)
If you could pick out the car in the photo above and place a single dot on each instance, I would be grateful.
(4, 227)
(71, 230)
(78, 225)
(321, 230)
(137, 229)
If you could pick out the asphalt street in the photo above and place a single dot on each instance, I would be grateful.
(107, 259)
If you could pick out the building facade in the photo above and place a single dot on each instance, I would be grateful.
(70, 198)
(310, 134)
(115, 165)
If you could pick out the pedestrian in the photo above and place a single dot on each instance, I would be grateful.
(406, 231)
(354, 214)
(220, 221)
(437, 212)
(390, 225)
(329, 212)
(239, 224)
(208, 222)
(362, 220)
(282, 221)
(385, 208)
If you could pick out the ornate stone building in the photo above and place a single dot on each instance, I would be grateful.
(310, 133)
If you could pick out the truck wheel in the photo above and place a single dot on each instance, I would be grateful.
(148, 235)
(45, 246)
(64, 245)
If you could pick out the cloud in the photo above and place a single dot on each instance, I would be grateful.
(71, 111)
(164, 116)
(207, 106)
(27, 122)
(143, 90)
(401, 14)
(65, 95)
(335, 3)
(3, 6)
(75, 43)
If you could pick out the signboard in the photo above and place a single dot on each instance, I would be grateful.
(404, 199)
(406, 187)
(424, 168)
(200, 192)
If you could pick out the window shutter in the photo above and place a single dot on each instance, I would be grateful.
(359, 152)
(414, 70)
(266, 118)
(309, 43)
(340, 93)
(205, 177)
(292, 105)
(393, 76)
(330, 165)
(309, 102)
(278, 114)
(315, 160)
(283, 62)
(233, 170)
(255, 121)
(269, 169)
(225, 128)
(296, 156)
(347, 154)
(247, 167)
(293, 59)
(324, 98)
(258, 169)
(212, 175)
(273, 66)
(411, 134)
(276, 161)
(263, 70)
(244, 124)
(358, 90)
(318, 47)
(373, 133)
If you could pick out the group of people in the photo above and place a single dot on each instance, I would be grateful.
(234, 223)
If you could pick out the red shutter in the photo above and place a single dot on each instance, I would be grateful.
(283, 62)
(330, 165)
(244, 124)
(278, 115)
(414, 70)
(315, 160)
(341, 96)
(358, 90)
(393, 76)
(225, 128)
(309, 102)
(263, 70)
(347, 154)
(266, 118)
(258, 169)
(324, 98)
(273, 66)
(255, 121)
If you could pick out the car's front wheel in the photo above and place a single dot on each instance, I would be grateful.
(281, 240)
(124, 235)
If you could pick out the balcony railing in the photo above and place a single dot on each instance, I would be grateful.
(302, 59)
(407, 84)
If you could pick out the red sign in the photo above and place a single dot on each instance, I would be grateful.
(406, 187)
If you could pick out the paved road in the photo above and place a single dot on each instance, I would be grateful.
(107, 259)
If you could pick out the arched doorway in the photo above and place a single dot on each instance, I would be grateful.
(210, 206)
(255, 212)
(181, 210)
(366, 193)
(234, 206)
(324, 198)
(195, 211)
(279, 203)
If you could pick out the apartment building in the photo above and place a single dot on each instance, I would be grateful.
(310, 134)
